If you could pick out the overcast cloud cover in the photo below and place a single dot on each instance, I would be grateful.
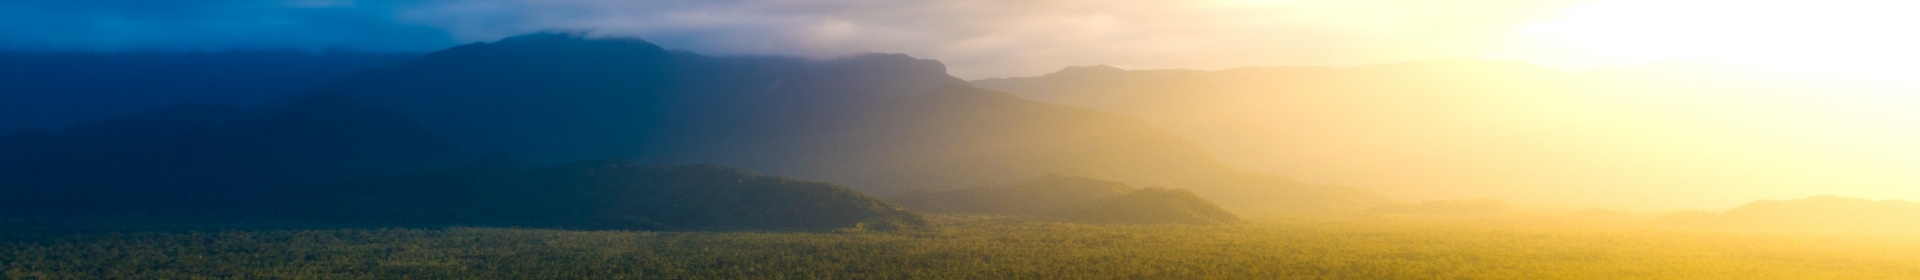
(976, 38)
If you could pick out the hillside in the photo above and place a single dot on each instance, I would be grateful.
(555, 98)
(1818, 214)
(878, 123)
(198, 159)
(1658, 136)
(604, 194)
(328, 159)
(1074, 199)
(1463, 208)
(51, 90)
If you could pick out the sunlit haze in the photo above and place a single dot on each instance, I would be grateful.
(1706, 102)
(960, 139)
(1862, 38)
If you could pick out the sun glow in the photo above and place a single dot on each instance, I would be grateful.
(1859, 38)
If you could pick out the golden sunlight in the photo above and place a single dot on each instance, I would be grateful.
(1859, 38)
(960, 139)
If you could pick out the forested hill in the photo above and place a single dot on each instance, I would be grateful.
(1671, 135)
(329, 160)
(604, 194)
(193, 159)
(1073, 199)
(879, 123)
(1818, 214)
(556, 97)
(50, 90)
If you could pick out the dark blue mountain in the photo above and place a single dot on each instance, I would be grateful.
(554, 97)
(195, 159)
(328, 159)
(603, 194)
(878, 123)
(1074, 199)
(45, 91)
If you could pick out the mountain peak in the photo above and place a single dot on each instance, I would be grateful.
(573, 45)
(559, 38)
(1088, 70)
(545, 36)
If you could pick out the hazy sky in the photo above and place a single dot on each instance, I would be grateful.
(995, 38)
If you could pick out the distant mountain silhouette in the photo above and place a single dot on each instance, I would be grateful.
(879, 123)
(1653, 136)
(1151, 206)
(329, 159)
(1818, 214)
(192, 159)
(50, 90)
(605, 194)
(1076, 199)
(1050, 193)
(1476, 207)
(555, 98)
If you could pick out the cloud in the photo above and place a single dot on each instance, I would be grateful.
(977, 38)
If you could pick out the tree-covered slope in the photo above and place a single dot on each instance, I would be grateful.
(328, 159)
(1818, 214)
(606, 194)
(879, 123)
(208, 159)
(50, 90)
(1075, 199)
(1671, 135)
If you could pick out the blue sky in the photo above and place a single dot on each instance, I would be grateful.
(121, 25)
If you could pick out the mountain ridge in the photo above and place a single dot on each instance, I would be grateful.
(1651, 137)
(879, 123)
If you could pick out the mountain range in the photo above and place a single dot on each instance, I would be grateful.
(1817, 214)
(602, 194)
(1073, 199)
(595, 129)
(1671, 135)
(51, 90)
(879, 123)
(329, 159)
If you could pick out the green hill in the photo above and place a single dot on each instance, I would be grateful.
(1476, 207)
(1818, 214)
(1074, 199)
(1654, 136)
(879, 123)
(608, 194)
